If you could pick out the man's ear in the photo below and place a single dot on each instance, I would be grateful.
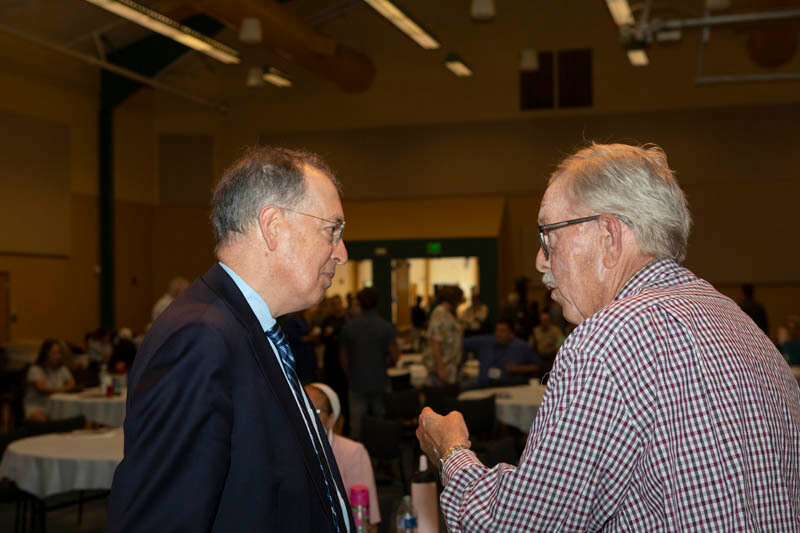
(611, 239)
(270, 224)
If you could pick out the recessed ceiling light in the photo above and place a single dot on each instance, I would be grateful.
(638, 57)
(276, 77)
(457, 66)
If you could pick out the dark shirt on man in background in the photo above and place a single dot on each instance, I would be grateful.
(367, 340)
(753, 308)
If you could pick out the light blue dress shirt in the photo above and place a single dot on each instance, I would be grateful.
(254, 300)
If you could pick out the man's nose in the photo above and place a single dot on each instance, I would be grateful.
(339, 254)
(542, 264)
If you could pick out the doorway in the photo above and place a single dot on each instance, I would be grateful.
(420, 276)
(5, 307)
(371, 265)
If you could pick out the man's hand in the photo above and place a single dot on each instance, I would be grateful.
(437, 433)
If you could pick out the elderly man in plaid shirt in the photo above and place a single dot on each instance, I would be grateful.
(667, 409)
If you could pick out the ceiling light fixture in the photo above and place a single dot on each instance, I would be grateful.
(276, 77)
(457, 66)
(529, 60)
(621, 12)
(155, 21)
(391, 13)
(255, 77)
(250, 30)
(482, 10)
(638, 57)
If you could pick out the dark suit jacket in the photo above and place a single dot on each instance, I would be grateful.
(214, 440)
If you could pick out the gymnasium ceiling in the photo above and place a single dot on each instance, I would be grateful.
(389, 79)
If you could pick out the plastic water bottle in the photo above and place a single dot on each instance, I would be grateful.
(425, 498)
(359, 503)
(406, 516)
(106, 385)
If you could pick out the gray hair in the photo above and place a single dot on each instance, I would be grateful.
(636, 184)
(264, 175)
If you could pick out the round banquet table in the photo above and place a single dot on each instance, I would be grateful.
(62, 462)
(419, 374)
(407, 359)
(91, 403)
(514, 406)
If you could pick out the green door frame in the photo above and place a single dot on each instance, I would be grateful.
(382, 252)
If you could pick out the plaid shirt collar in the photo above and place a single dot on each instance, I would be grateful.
(657, 273)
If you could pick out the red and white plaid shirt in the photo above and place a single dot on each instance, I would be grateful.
(668, 410)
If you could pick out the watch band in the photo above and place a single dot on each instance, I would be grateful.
(450, 451)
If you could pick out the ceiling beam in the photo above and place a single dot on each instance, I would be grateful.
(291, 38)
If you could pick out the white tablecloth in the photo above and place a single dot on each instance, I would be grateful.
(419, 374)
(407, 359)
(106, 410)
(515, 406)
(62, 462)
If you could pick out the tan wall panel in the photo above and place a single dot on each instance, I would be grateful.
(704, 146)
(34, 185)
(183, 245)
(49, 97)
(133, 262)
(135, 151)
(185, 169)
(58, 296)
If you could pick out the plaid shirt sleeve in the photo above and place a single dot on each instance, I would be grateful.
(575, 469)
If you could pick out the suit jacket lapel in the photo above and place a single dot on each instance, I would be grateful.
(222, 285)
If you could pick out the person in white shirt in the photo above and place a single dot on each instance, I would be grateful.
(48, 375)
(176, 286)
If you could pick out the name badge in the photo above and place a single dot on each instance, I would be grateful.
(494, 373)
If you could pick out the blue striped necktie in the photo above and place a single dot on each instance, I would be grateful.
(278, 338)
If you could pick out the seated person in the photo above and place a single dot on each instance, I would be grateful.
(546, 339)
(502, 355)
(48, 375)
(351, 456)
(790, 347)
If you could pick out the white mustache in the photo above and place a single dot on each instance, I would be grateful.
(549, 280)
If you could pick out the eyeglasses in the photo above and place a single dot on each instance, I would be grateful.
(336, 230)
(547, 228)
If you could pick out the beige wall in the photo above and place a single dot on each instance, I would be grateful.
(736, 163)
(56, 296)
(59, 296)
(183, 245)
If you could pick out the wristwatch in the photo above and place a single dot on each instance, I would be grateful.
(450, 451)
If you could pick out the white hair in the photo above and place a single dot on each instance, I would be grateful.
(636, 184)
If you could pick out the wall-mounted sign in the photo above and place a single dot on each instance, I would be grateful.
(434, 248)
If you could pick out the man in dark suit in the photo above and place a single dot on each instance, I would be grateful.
(219, 435)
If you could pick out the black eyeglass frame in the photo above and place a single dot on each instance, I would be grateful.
(547, 228)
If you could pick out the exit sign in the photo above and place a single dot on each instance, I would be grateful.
(434, 248)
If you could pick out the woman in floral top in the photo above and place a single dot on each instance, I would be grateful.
(445, 338)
